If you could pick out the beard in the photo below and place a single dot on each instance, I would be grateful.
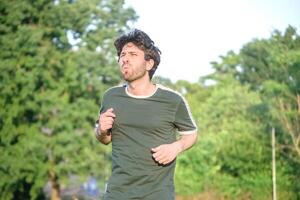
(133, 75)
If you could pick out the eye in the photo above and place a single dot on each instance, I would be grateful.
(122, 55)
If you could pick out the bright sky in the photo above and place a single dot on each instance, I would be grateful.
(192, 33)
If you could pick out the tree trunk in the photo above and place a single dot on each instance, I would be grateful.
(55, 188)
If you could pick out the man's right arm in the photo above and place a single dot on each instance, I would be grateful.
(104, 126)
(103, 138)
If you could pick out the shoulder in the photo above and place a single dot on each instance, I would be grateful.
(114, 90)
(170, 93)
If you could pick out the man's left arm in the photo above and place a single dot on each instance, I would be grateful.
(166, 153)
(183, 121)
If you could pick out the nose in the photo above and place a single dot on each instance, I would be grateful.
(124, 60)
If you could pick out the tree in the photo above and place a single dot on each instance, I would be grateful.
(56, 61)
(225, 159)
(272, 68)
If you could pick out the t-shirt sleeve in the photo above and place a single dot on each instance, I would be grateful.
(102, 109)
(103, 106)
(183, 119)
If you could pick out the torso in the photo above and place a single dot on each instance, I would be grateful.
(141, 123)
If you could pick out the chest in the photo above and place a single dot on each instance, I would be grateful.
(143, 113)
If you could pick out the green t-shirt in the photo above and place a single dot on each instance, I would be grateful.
(142, 123)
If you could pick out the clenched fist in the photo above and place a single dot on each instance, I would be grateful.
(106, 121)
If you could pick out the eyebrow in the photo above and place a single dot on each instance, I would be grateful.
(130, 52)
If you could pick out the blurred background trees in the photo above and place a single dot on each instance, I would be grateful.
(253, 90)
(57, 59)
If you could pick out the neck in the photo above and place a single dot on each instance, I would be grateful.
(141, 88)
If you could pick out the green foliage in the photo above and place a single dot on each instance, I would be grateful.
(50, 90)
(271, 68)
(231, 156)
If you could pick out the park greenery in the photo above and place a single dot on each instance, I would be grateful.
(57, 59)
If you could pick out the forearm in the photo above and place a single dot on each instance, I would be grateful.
(103, 138)
(186, 141)
(166, 153)
(103, 132)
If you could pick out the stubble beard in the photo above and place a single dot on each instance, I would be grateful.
(130, 77)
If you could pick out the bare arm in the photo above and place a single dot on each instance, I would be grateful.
(166, 153)
(103, 138)
(186, 141)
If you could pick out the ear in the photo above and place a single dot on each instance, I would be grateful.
(149, 64)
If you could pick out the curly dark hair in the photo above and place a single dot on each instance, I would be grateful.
(143, 42)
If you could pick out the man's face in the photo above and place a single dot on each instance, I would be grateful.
(132, 63)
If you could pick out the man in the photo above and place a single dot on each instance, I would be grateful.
(141, 120)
